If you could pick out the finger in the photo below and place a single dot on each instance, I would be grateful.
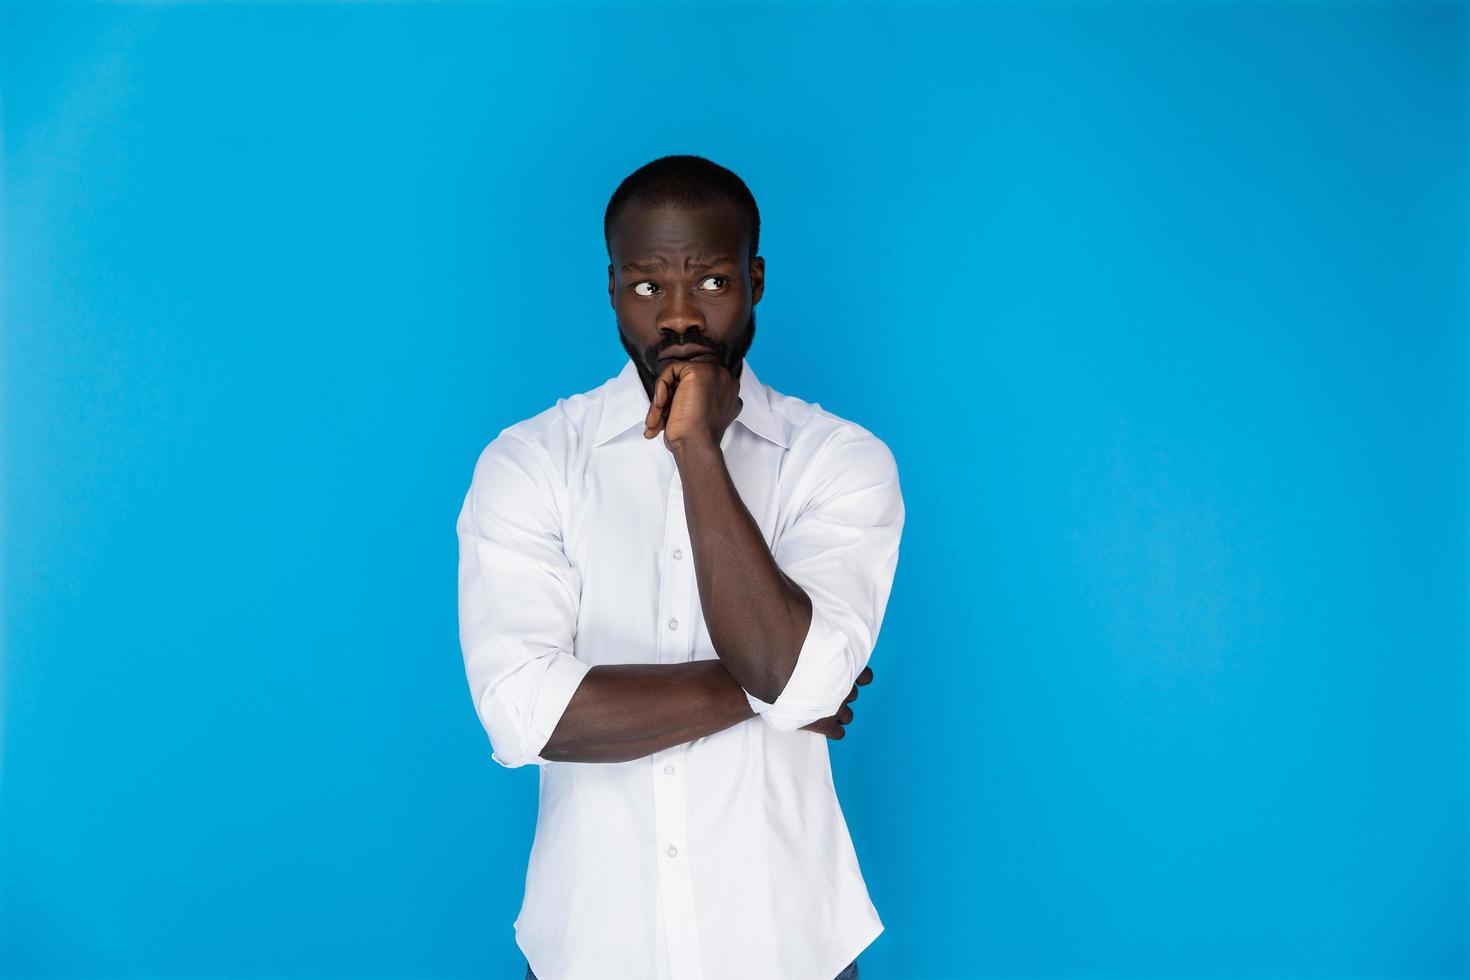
(650, 417)
(866, 677)
(852, 696)
(663, 406)
(665, 393)
(658, 407)
(826, 727)
(844, 715)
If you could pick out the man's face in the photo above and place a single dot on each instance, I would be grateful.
(681, 278)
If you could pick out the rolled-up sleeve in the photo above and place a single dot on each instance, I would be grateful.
(518, 599)
(842, 549)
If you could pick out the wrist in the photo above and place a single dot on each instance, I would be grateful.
(696, 450)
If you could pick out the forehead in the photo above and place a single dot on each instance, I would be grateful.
(675, 231)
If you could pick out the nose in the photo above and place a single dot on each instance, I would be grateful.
(680, 313)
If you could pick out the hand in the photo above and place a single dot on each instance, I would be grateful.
(831, 726)
(692, 401)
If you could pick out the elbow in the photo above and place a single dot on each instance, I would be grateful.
(816, 684)
(560, 747)
(509, 747)
(774, 680)
(777, 675)
(509, 759)
(513, 753)
(522, 712)
(771, 687)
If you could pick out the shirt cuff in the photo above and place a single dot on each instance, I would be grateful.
(823, 677)
(558, 684)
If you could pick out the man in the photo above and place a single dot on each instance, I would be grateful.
(669, 589)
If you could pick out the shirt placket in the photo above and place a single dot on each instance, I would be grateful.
(678, 594)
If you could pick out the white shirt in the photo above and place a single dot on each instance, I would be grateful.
(728, 857)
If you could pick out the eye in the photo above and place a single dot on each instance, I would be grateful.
(723, 280)
(644, 283)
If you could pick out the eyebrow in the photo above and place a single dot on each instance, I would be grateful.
(689, 264)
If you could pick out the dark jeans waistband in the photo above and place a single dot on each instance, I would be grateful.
(849, 972)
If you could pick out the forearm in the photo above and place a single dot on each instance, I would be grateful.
(756, 616)
(627, 711)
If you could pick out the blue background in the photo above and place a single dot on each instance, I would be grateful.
(1161, 307)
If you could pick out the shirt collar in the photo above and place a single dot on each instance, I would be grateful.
(626, 403)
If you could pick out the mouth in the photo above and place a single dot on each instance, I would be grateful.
(687, 352)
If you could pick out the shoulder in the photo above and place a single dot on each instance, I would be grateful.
(538, 449)
(825, 441)
(840, 472)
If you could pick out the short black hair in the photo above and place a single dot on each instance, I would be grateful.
(685, 180)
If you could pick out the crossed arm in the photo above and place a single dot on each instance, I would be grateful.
(756, 616)
(793, 656)
(627, 711)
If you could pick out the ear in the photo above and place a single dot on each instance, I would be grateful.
(610, 286)
(757, 279)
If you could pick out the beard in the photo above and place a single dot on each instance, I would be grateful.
(729, 353)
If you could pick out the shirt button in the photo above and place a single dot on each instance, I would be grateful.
(673, 624)
(673, 850)
(678, 553)
(668, 770)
